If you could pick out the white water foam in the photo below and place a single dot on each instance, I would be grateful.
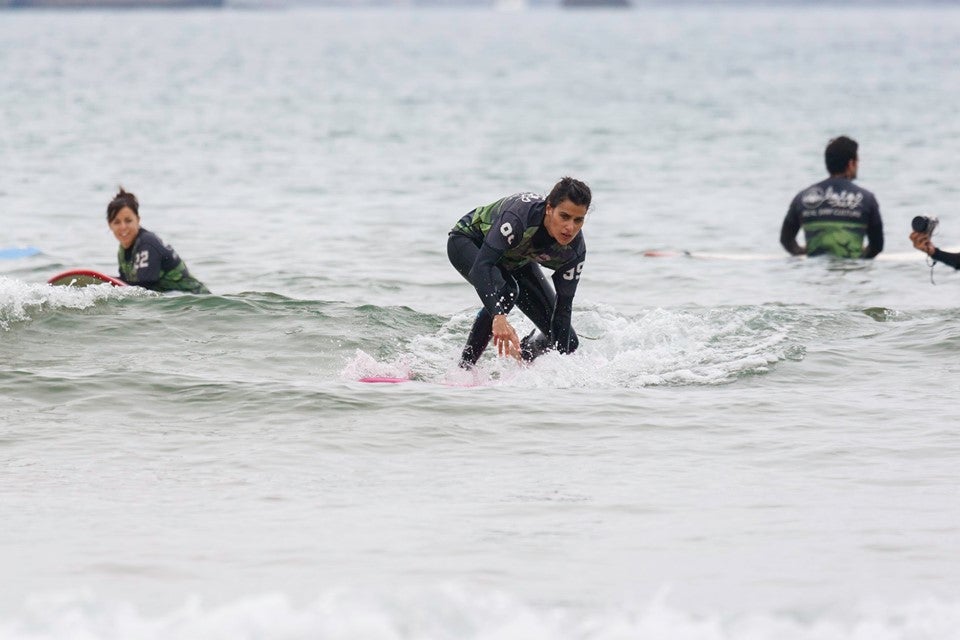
(709, 346)
(364, 365)
(21, 301)
(452, 611)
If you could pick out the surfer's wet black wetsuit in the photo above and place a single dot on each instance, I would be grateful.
(499, 249)
(151, 264)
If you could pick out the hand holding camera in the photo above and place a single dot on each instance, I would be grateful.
(923, 228)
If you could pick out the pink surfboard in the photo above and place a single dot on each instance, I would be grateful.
(393, 380)
(383, 379)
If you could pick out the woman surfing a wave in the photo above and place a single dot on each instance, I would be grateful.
(499, 249)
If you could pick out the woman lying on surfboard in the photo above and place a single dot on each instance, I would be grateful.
(499, 248)
(145, 261)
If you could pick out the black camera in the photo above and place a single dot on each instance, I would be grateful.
(923, 224)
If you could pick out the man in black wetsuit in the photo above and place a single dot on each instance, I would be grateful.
(835, 213)
(499, 248)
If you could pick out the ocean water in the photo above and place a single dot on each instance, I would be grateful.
(746, 446)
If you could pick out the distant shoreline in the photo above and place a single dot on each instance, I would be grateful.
(109, 4)
(589, 4)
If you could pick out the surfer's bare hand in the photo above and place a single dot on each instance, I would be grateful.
(505, 338)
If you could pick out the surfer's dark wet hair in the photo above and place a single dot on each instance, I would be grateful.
(840, 151)
(121, 200)
(570, 189)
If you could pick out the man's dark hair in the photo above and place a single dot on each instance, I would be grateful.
(570, 189)
(121, 200)
(840, 151)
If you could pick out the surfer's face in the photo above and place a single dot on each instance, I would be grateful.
(564, 221)
(125, 226)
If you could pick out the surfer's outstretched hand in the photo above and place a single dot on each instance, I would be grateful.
(505, 337)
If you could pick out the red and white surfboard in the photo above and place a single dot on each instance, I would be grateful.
(83, 278)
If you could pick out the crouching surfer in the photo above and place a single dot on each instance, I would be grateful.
(145, 260)
(499, 248)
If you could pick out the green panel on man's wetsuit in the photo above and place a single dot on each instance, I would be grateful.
(841, 239)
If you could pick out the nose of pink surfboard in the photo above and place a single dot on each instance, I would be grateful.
(383, 379)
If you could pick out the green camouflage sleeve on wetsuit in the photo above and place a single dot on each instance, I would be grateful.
(179, 279)
(477, 223)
